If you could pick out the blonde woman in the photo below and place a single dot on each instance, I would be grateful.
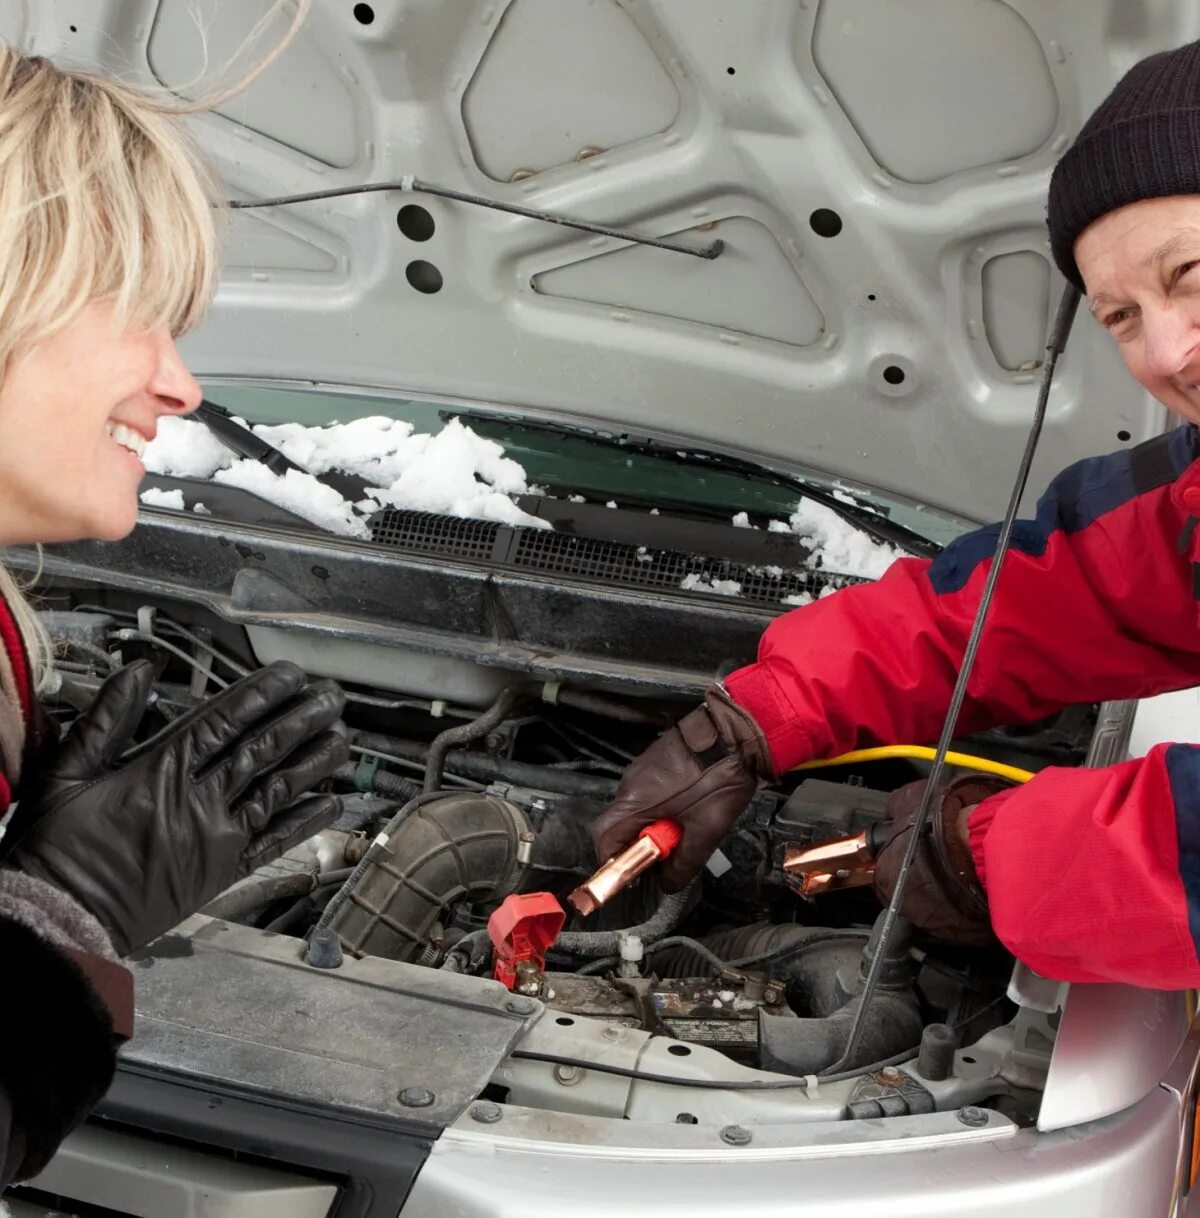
(107, 253)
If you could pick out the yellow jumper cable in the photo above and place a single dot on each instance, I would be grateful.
(888, 751)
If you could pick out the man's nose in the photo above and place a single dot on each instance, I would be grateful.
(1171, 338)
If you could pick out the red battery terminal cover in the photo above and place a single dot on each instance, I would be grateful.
(522, 930)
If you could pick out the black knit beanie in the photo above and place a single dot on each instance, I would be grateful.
(1142, 143)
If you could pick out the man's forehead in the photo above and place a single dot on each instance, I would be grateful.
(1133, 242)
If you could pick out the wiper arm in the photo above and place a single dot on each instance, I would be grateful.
(242, 440)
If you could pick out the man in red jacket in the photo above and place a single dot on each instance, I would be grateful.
(1086, 875)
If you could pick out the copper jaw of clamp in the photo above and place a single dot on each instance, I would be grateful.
(845, 862)
(655, 842)
(617, 873)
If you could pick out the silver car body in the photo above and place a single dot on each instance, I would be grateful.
(878, 171)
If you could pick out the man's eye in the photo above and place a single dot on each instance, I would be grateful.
(1117, 318)
(1182, 269)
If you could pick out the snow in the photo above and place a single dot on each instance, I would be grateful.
(201, 510)
(153, 497)
(454, 472)
(838, 545)
(807, 598)
(700, 583)
(184, 449)
(576, 499)
(296, 492)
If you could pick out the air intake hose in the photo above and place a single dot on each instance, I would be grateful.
(438, 850)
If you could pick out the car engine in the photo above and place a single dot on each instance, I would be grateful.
(451, 807)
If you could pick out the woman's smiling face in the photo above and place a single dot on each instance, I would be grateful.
(76, 412)
(1141, 269)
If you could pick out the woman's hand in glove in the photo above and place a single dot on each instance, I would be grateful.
(942, 894)
(702, 773)
(144, 837)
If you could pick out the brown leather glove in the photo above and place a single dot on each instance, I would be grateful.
(943, 894)
(702, 773)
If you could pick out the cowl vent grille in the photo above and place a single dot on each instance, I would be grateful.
(605, 562)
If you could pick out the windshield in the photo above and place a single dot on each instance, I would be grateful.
(596, 466)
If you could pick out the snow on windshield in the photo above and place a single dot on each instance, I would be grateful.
(454, 472)
(836, 544)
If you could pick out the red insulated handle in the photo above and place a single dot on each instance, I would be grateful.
(665, 834)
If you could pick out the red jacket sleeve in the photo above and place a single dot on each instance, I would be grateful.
(1090, 874)
(1094, 875)
(1096, 601)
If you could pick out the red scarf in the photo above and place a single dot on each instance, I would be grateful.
(14, 650)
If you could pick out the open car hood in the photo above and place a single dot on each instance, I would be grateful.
(876, 171)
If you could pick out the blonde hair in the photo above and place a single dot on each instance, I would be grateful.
(103, 196)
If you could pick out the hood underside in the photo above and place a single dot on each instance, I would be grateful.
(877, 172)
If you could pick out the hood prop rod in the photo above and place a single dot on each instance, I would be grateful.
(891, 915)
(409, 183)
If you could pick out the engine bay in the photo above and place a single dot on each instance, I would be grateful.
(734, 989)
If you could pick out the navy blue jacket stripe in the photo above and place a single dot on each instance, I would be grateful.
(1078, 497)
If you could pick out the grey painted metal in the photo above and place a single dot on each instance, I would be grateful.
(227, 1002)
(1114, 1044)
(670, 115)
(991, 1070)
(128, 1175)
(933, 1167)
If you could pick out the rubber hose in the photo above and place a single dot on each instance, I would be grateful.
(257, 891)
(482, 767)
(493, 717)
(610, 708)
(605, 942)
(777, 941)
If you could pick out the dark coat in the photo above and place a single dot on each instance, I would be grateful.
(57, 1050)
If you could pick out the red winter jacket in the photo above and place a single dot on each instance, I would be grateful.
(1091, 875)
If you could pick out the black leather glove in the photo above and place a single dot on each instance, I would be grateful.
(702, 772)
(141, 839)
(943, 894)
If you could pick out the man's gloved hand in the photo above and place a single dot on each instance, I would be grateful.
(143, 838)
(943, 894)
(702, 773)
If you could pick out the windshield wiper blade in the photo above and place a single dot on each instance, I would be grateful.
(877, 526)
(241, 440)
(880, 527)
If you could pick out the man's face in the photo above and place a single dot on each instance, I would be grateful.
(75, 412)
(1141, 270)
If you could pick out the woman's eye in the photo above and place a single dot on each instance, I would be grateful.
(1117, 318)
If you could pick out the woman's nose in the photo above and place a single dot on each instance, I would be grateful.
(174, 386)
